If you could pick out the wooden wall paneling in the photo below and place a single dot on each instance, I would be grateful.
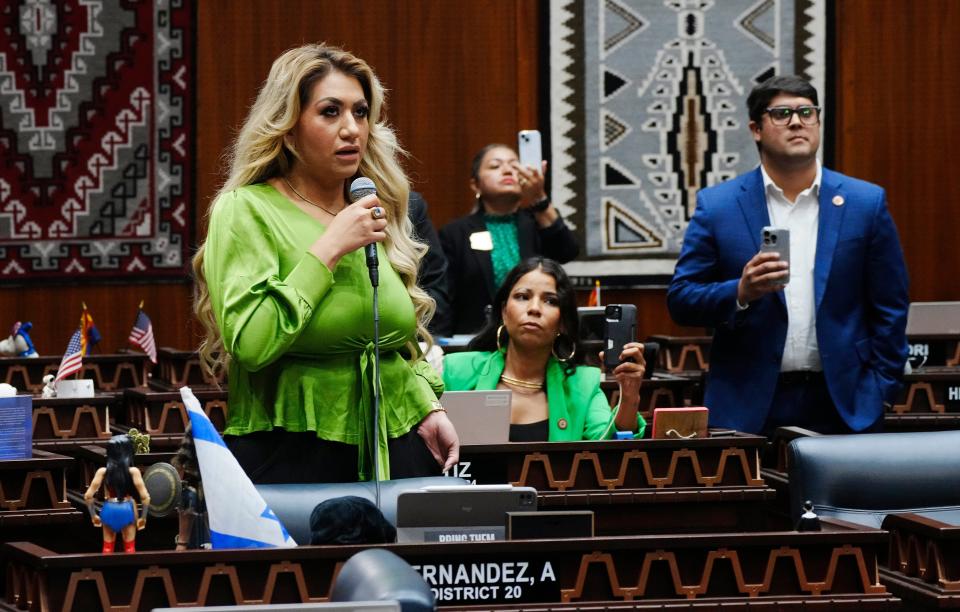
(452, 70)
(462, 74)
(897, 88)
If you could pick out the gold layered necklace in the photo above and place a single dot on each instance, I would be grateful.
(530, 385)
(306, 199)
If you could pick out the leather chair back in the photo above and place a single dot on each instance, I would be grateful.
(863, 477)
(293, 503)
(377, 574)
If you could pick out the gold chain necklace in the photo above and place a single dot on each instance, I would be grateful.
(523, 384)
(306, 199)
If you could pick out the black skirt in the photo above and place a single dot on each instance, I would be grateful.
(280, 456)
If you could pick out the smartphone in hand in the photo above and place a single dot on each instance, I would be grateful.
(529, 149)
(776, 240)
(620, 328)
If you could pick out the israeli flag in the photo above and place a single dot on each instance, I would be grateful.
(238, 516)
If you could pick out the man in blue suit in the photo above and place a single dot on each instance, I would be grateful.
(819, 342)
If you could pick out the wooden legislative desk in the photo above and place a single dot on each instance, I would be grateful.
(109, 372)
(635, 486)
(33, 501)
(33, 491)
(923, 565)
(934, 350)
(683, 353)
(177, 368)
(835, 569)
(163, 415)
(664, 390)
(928, 401)
(61, 423)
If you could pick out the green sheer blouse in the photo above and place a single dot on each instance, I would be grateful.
(300, 336)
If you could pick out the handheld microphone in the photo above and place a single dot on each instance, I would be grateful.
(361, 187)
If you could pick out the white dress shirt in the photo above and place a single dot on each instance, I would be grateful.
(801, 351)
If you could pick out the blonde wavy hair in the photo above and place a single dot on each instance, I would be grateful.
(260, 152)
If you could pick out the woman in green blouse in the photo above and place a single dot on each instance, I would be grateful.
(530, 349)
(283, 290)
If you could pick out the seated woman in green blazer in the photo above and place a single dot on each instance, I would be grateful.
(529, 348)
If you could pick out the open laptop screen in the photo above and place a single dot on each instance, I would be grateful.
(480, 417)
(933, 318)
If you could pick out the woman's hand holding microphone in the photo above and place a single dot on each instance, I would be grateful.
(357, 225)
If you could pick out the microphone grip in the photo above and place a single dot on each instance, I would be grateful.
(360, 188)
(373, 265)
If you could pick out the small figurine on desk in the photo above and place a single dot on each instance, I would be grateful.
(119, 511)
(49, 389)
(19, 343)
(809, 521)
(194, 530)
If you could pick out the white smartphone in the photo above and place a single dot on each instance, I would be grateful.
(529, 148)
(776, 240)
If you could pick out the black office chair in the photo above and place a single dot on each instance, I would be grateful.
(293, 503)
(377, 574)
(862, 478)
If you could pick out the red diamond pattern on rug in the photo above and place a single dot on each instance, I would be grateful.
(96, 133)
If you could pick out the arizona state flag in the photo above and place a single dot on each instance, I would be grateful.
(594, 299)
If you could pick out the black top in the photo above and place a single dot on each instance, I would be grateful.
(432, 276)
(530, 432)
(470, 272)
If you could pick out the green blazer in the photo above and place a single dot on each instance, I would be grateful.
(579, 410)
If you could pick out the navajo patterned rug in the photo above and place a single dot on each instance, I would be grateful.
(96, 133)
(648, 105)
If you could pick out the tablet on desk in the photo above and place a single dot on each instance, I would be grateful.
(460, 513)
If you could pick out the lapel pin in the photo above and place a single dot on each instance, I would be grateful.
(838, 200)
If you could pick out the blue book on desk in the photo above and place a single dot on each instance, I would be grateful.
(16, 427)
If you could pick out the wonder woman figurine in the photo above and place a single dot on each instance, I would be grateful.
(119, 511)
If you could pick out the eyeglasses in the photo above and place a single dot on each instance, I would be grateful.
(782, 115)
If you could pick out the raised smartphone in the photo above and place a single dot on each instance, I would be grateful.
(620, 327)
(529, 148)
(776, 240)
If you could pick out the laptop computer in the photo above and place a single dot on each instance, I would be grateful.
(480, 417)
(933, 318)
(460, 513)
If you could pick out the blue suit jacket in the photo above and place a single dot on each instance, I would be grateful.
(860, 287)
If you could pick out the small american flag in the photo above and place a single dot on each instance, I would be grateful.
(142, 336)
(72, 359)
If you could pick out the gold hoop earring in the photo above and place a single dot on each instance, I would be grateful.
(500, 329)
(573, 351)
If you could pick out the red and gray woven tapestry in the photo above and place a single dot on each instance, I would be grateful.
(96, 133)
